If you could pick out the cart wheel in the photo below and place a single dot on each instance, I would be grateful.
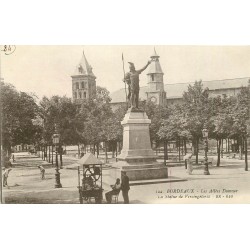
(98, 200)
(81, 200)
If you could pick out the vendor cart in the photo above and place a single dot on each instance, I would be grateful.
(90, 179)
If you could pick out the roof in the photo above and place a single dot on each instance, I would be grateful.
(89, 159)
(83, 67)
(175, 91)
(154, 67)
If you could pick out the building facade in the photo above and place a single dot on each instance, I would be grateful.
(83, 81)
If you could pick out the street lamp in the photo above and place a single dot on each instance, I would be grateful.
(56, 139)
(205, 135)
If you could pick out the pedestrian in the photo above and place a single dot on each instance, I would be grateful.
(5, 176)
(13, 158)
(125, 187)
(115, 190)
(42, 170)
(189, 163)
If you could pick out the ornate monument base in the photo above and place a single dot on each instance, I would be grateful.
(137, 157)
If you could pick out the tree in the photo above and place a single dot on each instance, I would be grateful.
(19, 112)
(60, 111)
(94, 115)
(221, 120)
(174, 127)
(196, 108)
(241, 118)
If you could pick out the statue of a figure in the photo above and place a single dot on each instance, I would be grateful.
(132, 79)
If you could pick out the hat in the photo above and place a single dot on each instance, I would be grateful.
(132, 64)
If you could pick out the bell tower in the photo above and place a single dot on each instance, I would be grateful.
(83, 81)
(156, 92)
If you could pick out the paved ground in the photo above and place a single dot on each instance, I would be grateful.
(226, 184)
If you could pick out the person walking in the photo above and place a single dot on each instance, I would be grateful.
(5, 176)
(125, 187)
(42, 170)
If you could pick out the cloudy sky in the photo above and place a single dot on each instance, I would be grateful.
(46, 70)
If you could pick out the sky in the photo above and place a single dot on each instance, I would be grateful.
(47, 70)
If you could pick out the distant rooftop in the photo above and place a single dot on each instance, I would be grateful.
(176, 90)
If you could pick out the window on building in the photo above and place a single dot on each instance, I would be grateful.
(84, 94)
(82, 85)
(85, 85)
(77, 85)
(80, 95)
(75, 95)
(152, 77)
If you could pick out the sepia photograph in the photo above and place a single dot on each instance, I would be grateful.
(125, 124)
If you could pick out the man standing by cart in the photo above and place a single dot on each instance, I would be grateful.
(125, 187)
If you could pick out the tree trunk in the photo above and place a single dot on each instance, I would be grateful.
(166, 149)
(60, 150)
(165, 152)
(185, 146)
(116, 151)
(97, 149)
(218, 151)
(222, 142)
(246, 160)
(42, 153)
(182, 147)
(52, 160)
(241, 150)
(49, 153)
(106, 153)
(78, 149)
(197, 151)
(113, 150)
(179, 149)
(119, 147)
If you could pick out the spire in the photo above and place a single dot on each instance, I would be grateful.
(84, 68)
(155, 67)
(154, 54)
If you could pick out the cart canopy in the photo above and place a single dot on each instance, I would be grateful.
(89, 159)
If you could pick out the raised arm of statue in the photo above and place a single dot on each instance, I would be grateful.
(141, 70)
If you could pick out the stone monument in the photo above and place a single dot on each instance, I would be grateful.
(137, 158)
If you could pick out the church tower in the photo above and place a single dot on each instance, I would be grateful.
(83, 81)
(155, 91)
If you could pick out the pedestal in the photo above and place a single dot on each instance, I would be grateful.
(137, 157)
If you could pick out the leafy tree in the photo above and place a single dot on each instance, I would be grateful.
(196, 108)
(94, 116)
(221, 120)
(60, 111)
(19, 111)
(174, 127)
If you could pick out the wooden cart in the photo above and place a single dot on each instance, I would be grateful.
(90, 179)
